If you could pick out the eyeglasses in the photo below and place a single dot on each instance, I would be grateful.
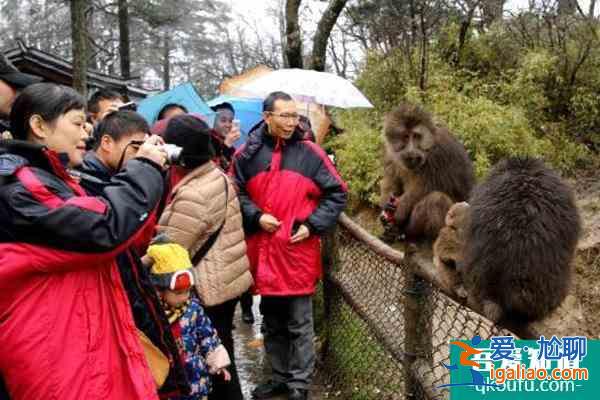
(293, 117)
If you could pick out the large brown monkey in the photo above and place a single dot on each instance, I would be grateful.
(426, 167)
(520, 234)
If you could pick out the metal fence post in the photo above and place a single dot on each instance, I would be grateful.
(329, 259)
(417, 325)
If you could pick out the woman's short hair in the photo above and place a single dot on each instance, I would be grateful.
(193, 135)
(48, 100)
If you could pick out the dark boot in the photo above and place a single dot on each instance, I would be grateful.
(246, 303)
(248, 316)
(268, 390)
(297, 394)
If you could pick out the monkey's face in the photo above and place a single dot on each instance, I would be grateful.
(410, 145)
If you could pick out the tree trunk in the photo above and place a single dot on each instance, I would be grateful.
(324, 28)
(124, 49)
(91, 27)
(464, 30)
(79, 45)
(492, 11)
(166, 61)
(424, 55)
(567, 6)
(293, 48)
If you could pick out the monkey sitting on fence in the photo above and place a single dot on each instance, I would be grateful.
(519, 238)
(426, 170)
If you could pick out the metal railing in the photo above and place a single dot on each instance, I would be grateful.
(388, 320)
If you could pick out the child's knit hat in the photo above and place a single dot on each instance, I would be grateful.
(172, 268)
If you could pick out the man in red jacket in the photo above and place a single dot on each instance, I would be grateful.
(290, 194)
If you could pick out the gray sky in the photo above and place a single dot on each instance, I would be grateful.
(256, 9)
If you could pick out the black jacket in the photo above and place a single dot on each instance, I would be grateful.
(145, 303)
(4, 126)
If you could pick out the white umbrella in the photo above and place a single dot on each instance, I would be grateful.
(320, 87)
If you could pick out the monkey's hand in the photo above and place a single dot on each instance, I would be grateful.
(387, 213)
(387, 217)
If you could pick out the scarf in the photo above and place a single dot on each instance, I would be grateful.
(173, 313)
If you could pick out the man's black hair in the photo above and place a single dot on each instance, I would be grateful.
(47, 100)
(119, 124)
(102, 94)
(269, 103)
(169, 107)
(223, 106)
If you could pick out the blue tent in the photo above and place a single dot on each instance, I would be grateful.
(248, 111)
(185, 95)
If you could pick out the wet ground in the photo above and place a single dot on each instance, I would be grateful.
(252, 365)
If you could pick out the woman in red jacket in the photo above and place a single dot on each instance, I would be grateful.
(66, 329)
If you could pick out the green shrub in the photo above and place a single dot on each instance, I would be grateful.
(358, 154)
(504, 99)
(384, 80)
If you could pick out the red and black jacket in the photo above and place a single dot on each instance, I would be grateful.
(144, 300)
(38, 206)
(57, 240)
(294, 181)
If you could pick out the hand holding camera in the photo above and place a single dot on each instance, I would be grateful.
(173, 153)
(153, 150)
(234, 133)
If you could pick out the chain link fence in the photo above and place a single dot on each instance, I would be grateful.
(385, 329)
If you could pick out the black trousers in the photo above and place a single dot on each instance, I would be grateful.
(3, 391)
(289, 334)
(246, 301)
(221, 317)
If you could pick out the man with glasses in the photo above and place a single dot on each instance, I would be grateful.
(119, 136)
(290, 194)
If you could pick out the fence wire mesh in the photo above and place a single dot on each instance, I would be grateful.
(387, 332)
